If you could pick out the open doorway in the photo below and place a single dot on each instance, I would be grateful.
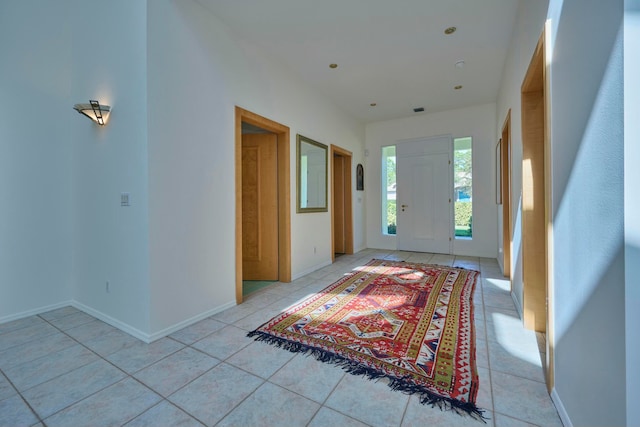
(263, 141)
(341, 202)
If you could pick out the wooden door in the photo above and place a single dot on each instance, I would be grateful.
(259, 207)
(342, 209)
(339, 236)
(424, 191)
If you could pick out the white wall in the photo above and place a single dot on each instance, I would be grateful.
(198, 72)
(169, 258)
(477, 122)
(64, 234)
(529, 25)
(632, 204)
(587, 186)
(588, 205)
(36, 231)
(111, 242)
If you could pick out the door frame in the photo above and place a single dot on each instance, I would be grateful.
(534, 242)
(505, 180)
(536, 135)
(284, 193)
(348, 196)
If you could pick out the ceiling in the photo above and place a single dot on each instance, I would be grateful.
(393, 53)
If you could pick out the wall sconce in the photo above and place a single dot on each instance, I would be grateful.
(96, 112)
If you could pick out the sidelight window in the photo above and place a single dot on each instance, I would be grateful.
(463, 187)
(389, 190)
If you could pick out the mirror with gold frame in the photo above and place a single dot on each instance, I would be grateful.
(311, 175)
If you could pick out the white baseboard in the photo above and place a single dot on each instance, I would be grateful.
(516, 303)
(143, 336)
(149, 338)
(361, 248)
(310, 270)
(474, 253)
(124, 327)
(34, 311)
(500, 261)
(562, 412)
(188, 322)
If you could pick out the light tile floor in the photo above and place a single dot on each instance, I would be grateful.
(65, 368)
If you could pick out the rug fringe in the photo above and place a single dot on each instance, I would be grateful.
(403, 385)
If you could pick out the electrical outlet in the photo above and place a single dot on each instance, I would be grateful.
(107, 287)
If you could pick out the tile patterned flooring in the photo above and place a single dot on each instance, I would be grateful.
(66, 368)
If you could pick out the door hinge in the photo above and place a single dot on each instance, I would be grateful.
(449, 200)
(449, 161)
(449, 238)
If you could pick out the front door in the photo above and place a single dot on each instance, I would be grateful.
(259, 207)
(424, 190)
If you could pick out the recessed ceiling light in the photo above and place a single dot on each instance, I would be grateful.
(373, 104)
(457, 87)
(333, 65)
(459, 64)
(450, 30)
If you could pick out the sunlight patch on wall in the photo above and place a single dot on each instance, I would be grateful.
(589, 221)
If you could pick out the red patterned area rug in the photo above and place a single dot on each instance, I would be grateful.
(410, 323)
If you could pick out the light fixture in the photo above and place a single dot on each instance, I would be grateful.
(333, 65)
(450, 30)
(459, 64)
(373, 104)
(96, 112)
(457, 87)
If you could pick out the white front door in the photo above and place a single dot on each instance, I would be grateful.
(424, 190)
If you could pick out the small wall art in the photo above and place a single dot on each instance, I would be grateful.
(499, 172)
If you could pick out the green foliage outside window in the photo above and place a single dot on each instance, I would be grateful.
(463, 186)
(463, 175)
(389, 190)
(463, 219)
(391, 217)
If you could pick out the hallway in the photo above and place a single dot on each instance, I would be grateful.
(65, 368)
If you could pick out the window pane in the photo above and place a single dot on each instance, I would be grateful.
(389, 190)
(462, 187)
